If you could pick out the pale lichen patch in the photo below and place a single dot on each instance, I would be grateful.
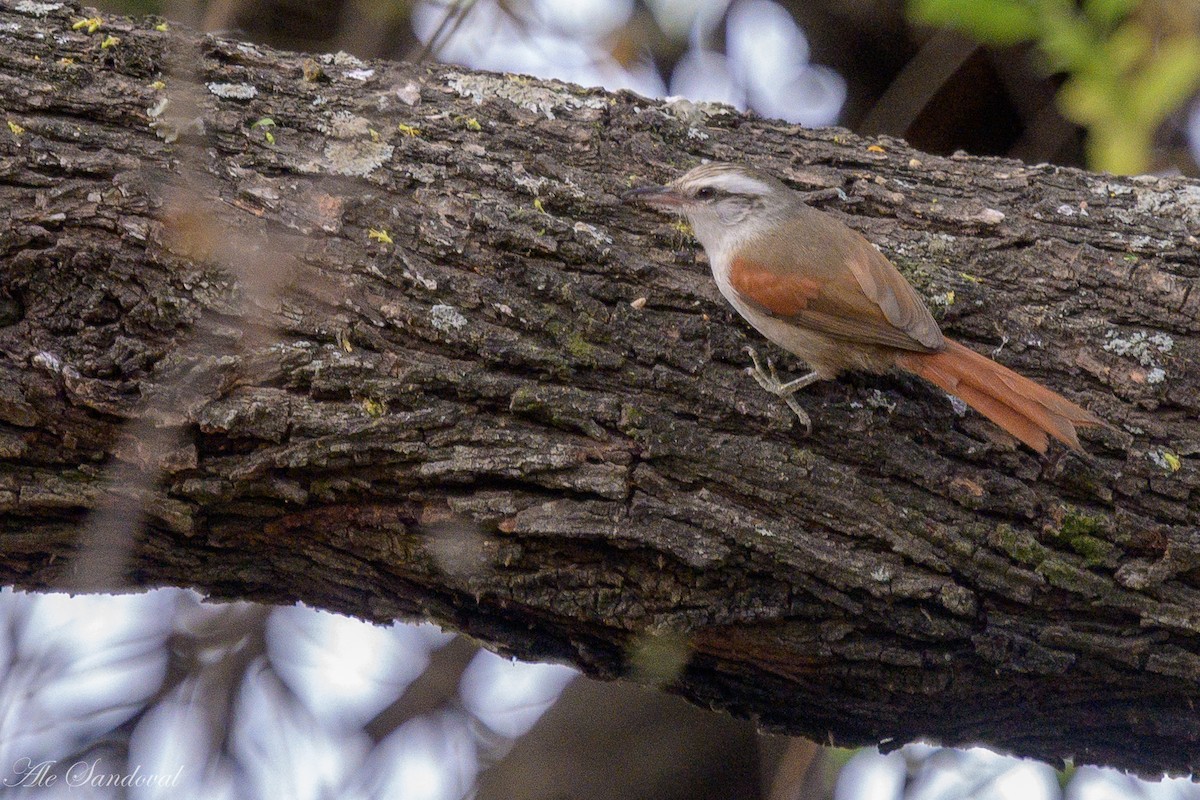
(409, 93)
(446, 318)
(989, 216)
(341, 59)
(942, 299)
(34, 9)
(539, 98)
(429, 284)
(696, 112)
(1165, 459)
(345, 125)
(233, 91)
(46, 360)
(959, 406)
(593, 231)
(1111, 189)
(1145, 348)
(356, 158)
(1179, 202)
(878, 400)
(530, 183)
(423, 173)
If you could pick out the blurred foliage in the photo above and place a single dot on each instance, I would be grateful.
(1066, 774)
(1129, 64)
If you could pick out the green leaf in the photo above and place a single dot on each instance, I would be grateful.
(1067, 41)
(1119, 150)
(1167, 81)
(1127, 45)
(1057, 6)
(1089, 101)
(997, 22)
(1107, 13)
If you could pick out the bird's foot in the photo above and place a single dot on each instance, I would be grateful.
(769, 379)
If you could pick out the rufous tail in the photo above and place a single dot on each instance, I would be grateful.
(1027, 410)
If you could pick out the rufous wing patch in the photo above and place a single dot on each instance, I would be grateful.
(782, 295)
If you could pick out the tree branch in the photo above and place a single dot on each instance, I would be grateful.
(387, 360)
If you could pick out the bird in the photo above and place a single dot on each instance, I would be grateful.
(820, 290)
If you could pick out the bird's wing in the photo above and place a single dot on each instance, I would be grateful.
(833, 281)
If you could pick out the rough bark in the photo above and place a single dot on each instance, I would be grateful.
(474, 421)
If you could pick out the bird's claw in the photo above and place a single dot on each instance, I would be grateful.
(768, 379)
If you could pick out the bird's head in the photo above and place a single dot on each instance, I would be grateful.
(721, 201)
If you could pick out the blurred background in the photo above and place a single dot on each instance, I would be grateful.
(244, 701)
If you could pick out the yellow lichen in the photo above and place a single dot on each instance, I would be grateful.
(90, 25)
(265, 124)
(379, 235)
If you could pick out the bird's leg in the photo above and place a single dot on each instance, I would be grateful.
(769, 380)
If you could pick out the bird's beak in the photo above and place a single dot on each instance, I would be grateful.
(658, 196)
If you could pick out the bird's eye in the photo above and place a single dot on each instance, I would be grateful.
(706, 193)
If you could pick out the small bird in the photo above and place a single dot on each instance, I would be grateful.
(820, 290)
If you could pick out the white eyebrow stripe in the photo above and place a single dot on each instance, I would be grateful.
(744, 184)
(735, 183)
